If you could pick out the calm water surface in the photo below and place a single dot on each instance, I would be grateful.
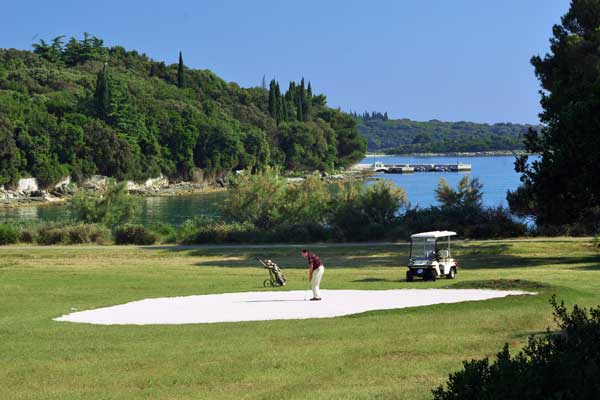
(496, 173)
(172, 210)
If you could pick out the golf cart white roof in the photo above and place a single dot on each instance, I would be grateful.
(433, 234)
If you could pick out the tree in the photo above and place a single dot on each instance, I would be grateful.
(112, 206)
(103, 94)
(53, 52)
(10, 157)
(467, 196)
(272, 99)
(180, 72)
(563, 184)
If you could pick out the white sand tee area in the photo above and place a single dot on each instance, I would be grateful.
(260, 306)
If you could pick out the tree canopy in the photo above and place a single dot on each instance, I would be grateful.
(81, 108)
(401, 136)
(562, 187)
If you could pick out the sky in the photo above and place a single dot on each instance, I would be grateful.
(452, 60)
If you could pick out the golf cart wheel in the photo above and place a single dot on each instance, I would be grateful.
(452, 273)
(267, 283)
(433, 275)
(409, 276)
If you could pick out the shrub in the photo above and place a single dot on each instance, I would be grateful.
(359, 213)
(51, 234)
(134, 234)
(86, 233)
(8, 234)
(256, 198)
(484, 222)
(205, 230)
(563, 365)
(26, 235)
(165, 232)
(112, 206)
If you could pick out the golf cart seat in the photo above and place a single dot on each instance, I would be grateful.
(443, 253)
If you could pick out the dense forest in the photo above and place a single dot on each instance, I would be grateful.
(82, 108)
(401, 136)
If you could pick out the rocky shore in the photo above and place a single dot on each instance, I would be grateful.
(27, 191)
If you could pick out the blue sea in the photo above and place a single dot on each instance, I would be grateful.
(496, 173)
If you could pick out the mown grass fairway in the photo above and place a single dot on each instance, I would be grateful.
(397, 354)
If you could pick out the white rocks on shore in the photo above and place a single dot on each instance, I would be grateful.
(27, 190)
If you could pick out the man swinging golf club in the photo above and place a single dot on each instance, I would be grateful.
(315, 272)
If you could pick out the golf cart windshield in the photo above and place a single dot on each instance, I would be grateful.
(424, 246)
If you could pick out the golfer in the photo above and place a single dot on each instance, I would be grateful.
(315, 273)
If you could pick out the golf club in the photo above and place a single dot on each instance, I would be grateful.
(306, 291)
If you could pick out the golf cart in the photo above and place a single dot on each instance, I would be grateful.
(427, 258)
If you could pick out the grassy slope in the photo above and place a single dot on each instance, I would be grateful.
(385, 354)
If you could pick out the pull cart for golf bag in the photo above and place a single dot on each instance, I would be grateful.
(276, 277)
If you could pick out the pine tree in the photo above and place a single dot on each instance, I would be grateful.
(102, 95)
(180, 72)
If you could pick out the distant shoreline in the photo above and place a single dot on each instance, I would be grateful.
(454, 154)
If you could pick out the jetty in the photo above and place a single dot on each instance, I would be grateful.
(410, 168)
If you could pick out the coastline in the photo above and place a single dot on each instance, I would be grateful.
(454, 154)
(48, 199)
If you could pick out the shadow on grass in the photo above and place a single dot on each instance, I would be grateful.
(469, 256)
(500, 284)
(588, 268)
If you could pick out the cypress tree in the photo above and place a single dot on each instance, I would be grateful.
(180, 72)
(278, 104)
(303, 102)
(102, 94)
(309, 90)
(284, 110)
(272, 99)
(299, 114)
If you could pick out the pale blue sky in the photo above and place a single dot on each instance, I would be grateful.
(420, 59)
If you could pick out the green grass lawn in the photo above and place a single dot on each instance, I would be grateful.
(395, 354)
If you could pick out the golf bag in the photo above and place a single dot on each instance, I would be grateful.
(276, 277)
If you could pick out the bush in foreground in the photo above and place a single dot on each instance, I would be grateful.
(134, 234)
(563, 365)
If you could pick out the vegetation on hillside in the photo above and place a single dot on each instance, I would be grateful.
(81, 108)
(402, 136)
(562, 187)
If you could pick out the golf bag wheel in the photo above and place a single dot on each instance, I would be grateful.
(433, 275)
(452, 273)
(267, 283)
(409, 276)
